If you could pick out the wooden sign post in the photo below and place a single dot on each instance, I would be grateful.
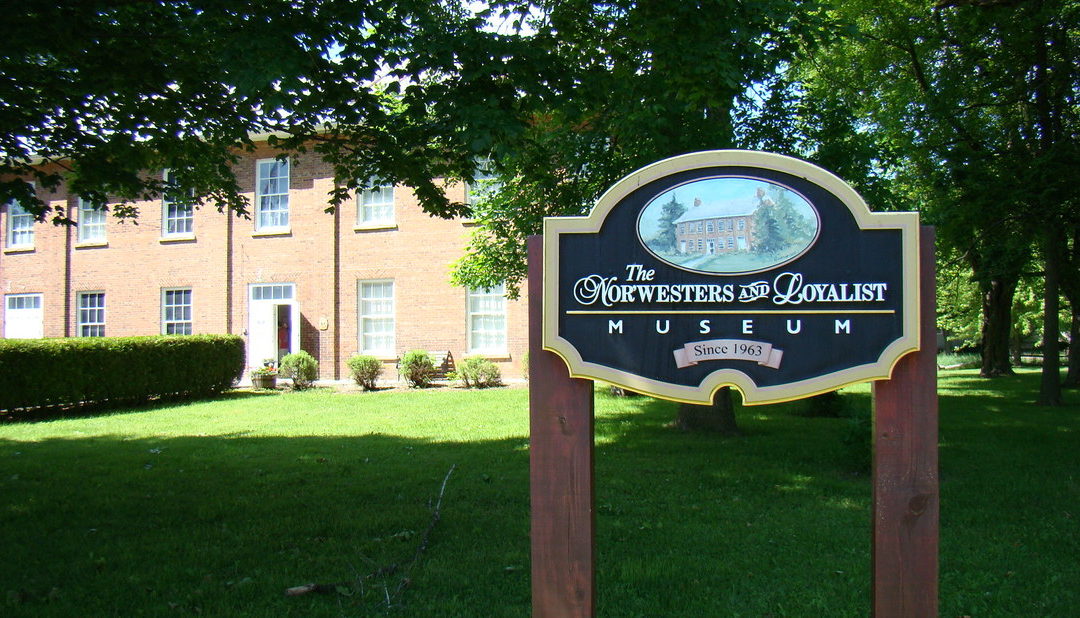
(778, 281)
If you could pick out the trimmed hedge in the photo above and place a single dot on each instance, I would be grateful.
(49, 372)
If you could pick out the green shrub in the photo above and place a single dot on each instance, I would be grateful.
(417, 367)
(479, 372)
(525, 366)
(37, 373)
(301, 367)
(365, 370)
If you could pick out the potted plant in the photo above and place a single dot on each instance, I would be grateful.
(265, 376)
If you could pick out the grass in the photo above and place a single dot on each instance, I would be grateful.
(217, 507)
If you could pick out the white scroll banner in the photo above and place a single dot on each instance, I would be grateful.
(759, 352)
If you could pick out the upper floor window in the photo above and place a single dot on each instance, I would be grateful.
(742, 224)
(20, 226)
(375, 204)
(487, 320)
(91, 317)
(272, 195)
(91, 222)
(485, 183)
(176, 312)
(177, 216)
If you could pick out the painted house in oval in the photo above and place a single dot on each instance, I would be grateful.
(717, 227)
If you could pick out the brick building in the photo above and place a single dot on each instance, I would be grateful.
(373, 278)
(721, 227)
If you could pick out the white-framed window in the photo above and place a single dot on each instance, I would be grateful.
(487, 320)
(742, 224)
(699, 227)
(376, 311)
(177, 218)
(271, 195)
(176, 311)
(91, 222)
(709, 227)
(91, 314)
(20, 226)
(730, 242)
(23, 316)
(484, 184)
(375, 204)
(272, 291)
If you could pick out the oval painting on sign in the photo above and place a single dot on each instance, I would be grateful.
(728, 225)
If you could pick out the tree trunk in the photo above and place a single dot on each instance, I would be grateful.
(1072, 379)
(1015, 349)
(719, 417)
(1070, 286)
(997, 299)
(1050, 384)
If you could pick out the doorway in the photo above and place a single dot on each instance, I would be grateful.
(273, 323)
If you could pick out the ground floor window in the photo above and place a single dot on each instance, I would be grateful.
(487, 320)
(176, 312)
(23, 316)
(376, 310)
(91, 317)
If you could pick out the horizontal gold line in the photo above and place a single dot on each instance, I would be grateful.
(746, 312)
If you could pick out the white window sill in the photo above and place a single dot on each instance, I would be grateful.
(272, 232)
(86, 244)
(177, 238)
(491, 356)
(375, 227)
(20, 249)
(383, 357)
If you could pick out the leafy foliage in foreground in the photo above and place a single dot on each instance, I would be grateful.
(59, 372)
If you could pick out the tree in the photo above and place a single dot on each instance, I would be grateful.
(101, 95)
(633, 93)
(669, 212)
(986, 156)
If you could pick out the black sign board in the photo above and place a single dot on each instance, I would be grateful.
(736, 268)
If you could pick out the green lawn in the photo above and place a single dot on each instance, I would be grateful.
(218, 507)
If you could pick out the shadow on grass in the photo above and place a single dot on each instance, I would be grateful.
(223, 525)
(687, 523)
(109, 408)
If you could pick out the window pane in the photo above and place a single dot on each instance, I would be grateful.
(91, 314)
(487, 320)
(91, 222)
(176, 312)
(20, 226)
(376, 317)
(272, 199)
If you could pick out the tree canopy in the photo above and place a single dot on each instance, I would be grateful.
(101, 94)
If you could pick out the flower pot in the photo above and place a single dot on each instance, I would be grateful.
(264, 381)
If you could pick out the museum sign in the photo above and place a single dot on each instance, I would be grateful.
(739, 268)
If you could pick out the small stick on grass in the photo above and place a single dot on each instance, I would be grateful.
(436, 514)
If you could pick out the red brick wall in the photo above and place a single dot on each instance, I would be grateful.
(135, 264)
